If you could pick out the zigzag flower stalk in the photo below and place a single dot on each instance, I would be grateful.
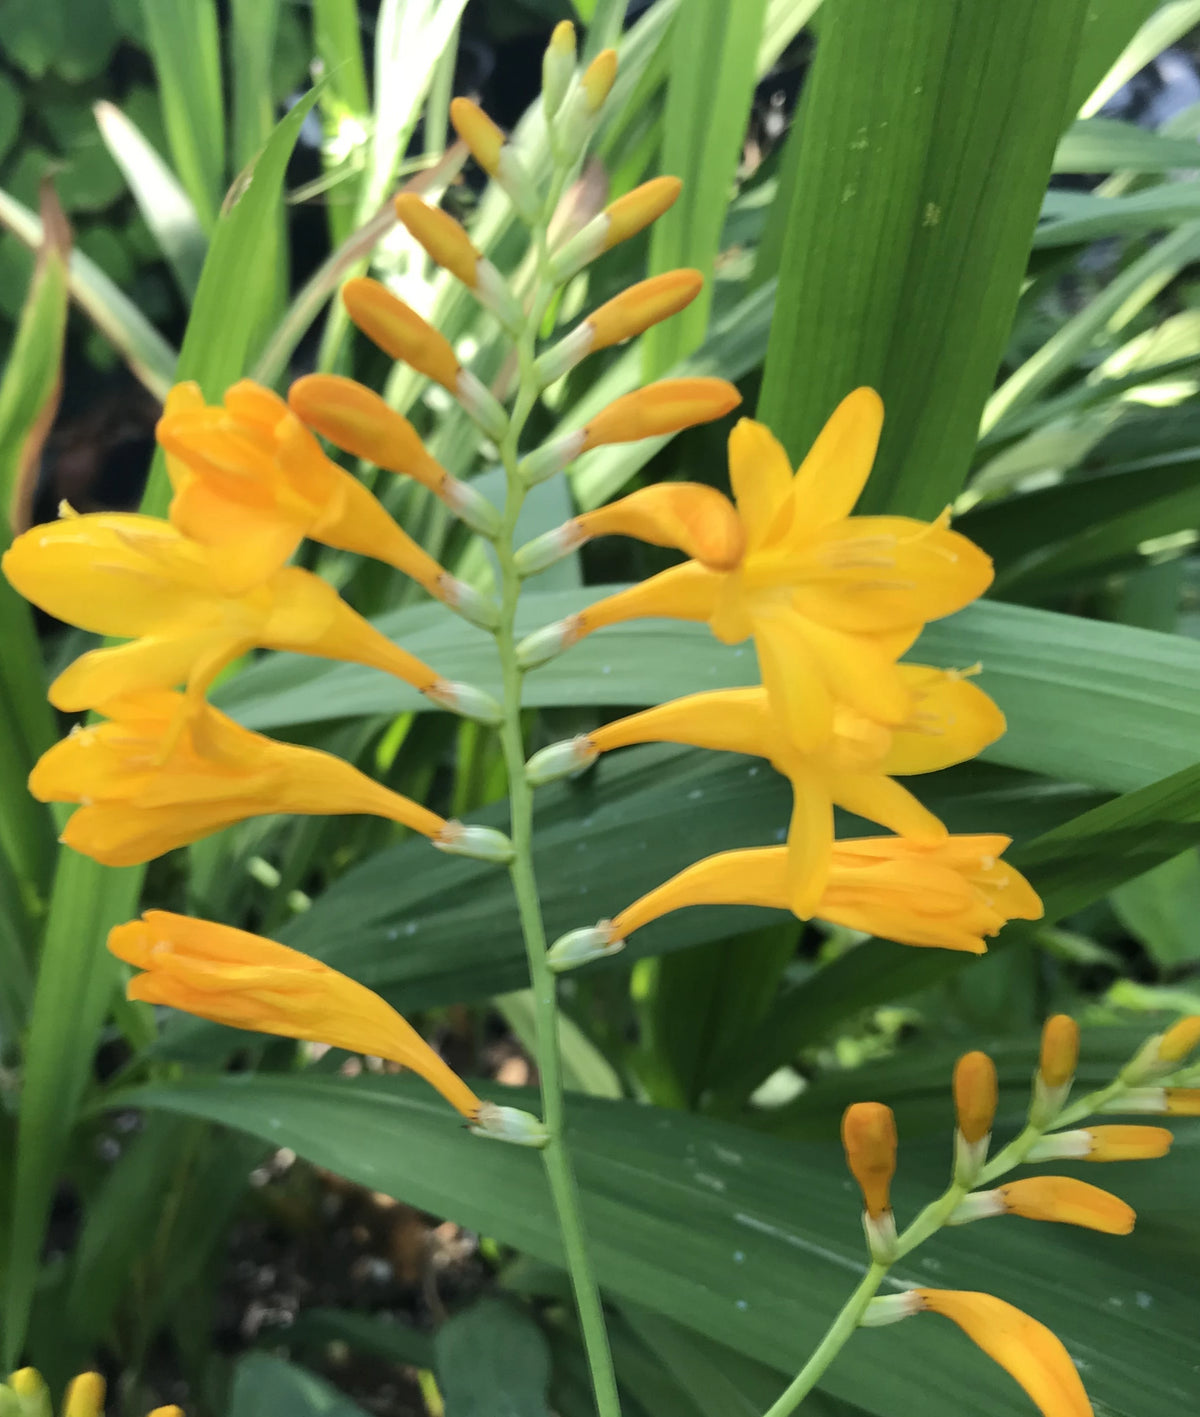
(1019, 1343)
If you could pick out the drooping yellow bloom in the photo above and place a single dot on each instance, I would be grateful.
(1058, 1198)
(831, 600)
(950, 894)
(949, 721)
(188, 609)
(869, 1140)
(148, 785)
(244, 981)
(1023, 1347)
(250, 478)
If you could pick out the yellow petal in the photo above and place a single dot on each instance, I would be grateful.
(729, 720)
(685, 592)
(792, 675)
(869, 1140)
(754, 877)
(760, 474)
(657, 409)
(153, 662)
(950, 721)
(1023, 1347)
(809, 841)
(831, 478)
(399, 331)
(699, 520)
(879, 799)
(245, 981)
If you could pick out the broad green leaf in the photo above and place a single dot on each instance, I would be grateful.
(135, 339)
(265, 1386)
(710, 86)
(492, 1361)
(167, 209)
(585, 1068)
(1161, 909)
(185, 47)
(1137, 691)
(925, 140)
(1104, 144)
(756, 1242)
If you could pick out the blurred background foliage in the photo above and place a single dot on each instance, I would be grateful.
(990, 209)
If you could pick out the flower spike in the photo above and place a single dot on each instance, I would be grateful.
(244, 981)
(450, 246)
(399, 331)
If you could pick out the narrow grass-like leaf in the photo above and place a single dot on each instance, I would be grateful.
(1168, 23)
(1104, 145)
(926, 137)
(185, 47)
(1073, 218)
(251, 51)
(166, 208)
(709, 89)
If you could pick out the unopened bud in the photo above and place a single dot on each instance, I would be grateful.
(869, 1137)
(547, 642)
(495, 154)
(551, 458)
(1061, 1199)
(1183, 1101)
(509, 1124)
(399, 331)
(548, 549)
(450, 246)
(975, 1096)
(660, 408)
(32, 1392)
(558, 69)
(578, 947)
(479, 843)
(1103, 1143)
(466, 601)
(563, 759)
(84, 1396)
(1180, 1040)
(598, 79)
(1056, 1069)
(470, 506)
(561, 358)
(616, 223)
(466, 700)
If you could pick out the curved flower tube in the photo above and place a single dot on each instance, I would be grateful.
(249, 475)
(184, 608)
(831, 600)
(232, 977)
(950, 721)
(948, 894)
(147, 786)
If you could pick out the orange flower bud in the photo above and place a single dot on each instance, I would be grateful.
(637, 209)
(1179, 1040)
(84, 1396)
(1072, 1202)
(697, 519)
(1127, 1143)
(660, 408)
(643, 305)
(481, 135)
(975, 1095)
(1060, 1050)
(869, 1137)
(399, 331)
(598, 79)
(441, 236)
(1183, 1101)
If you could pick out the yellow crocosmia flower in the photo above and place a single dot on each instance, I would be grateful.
(949, 721)
(949, 894)
(183, 607)
(148, 782)
(239, 979)
(831, 600)
(1023, 1347)
(250, 475)
(1058, 1198)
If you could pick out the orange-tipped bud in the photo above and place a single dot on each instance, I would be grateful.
(661, 408)
(1060, 1050)
(598, 79)
(399, 331)
(558, 68)
(1179, 1040)
(869, 1136)
(1071, 1202)
(616, 223)
(643, 305)
(1116, 1143)
(1183, 1101)
(443, 237)
(975, 1095)
(84, 1396)
(696, 519)
(481, 135)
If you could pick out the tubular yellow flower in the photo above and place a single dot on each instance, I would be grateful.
(697, 519)
(949, 894)
(139, 578)
(1060, 1050)
(1116, 1143)
(1024, 1348)
(149, 783)
(950, 721)
(235, 978)
(831, 600)
(250, 476)
(400, 332)
(869, 1139)
(1058, 1198)
(975, 1095)
(1179, 1040)
(358, 421)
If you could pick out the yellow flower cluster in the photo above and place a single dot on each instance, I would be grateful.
(831, 602)
(1019, 1343)
(25, 1395)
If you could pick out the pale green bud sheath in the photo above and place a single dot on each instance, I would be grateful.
(479, 843)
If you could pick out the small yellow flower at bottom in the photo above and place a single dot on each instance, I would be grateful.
(947, 894)
(244, 981)
(84, 1396)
